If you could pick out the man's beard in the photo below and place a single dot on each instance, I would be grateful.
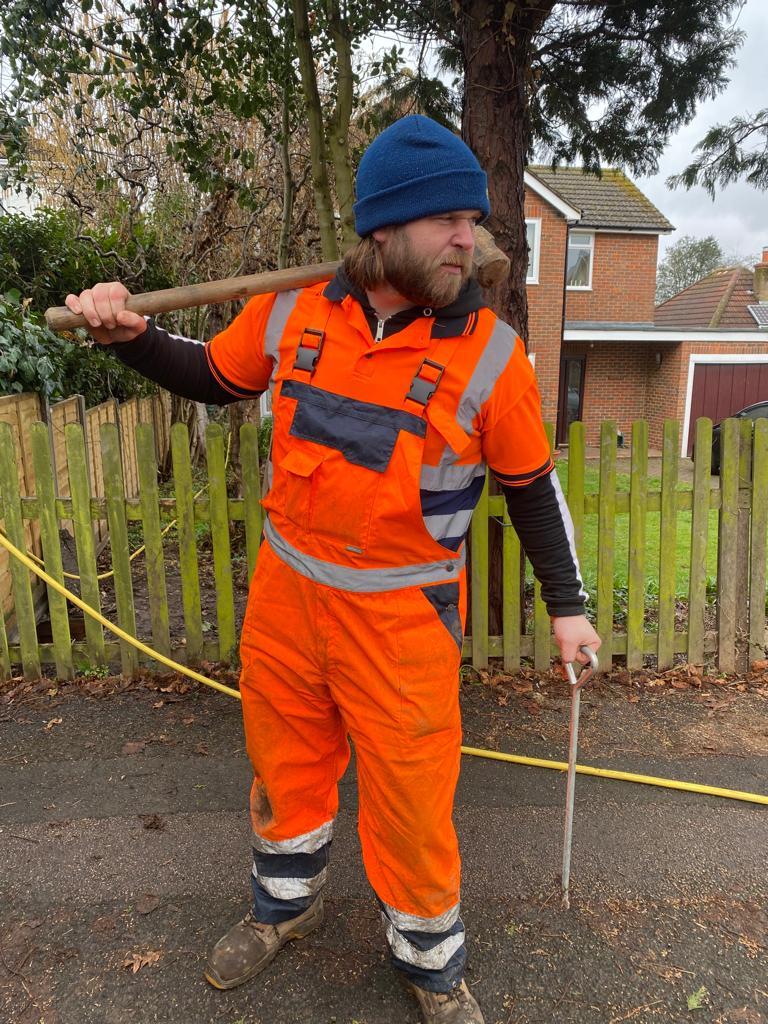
(422, 279)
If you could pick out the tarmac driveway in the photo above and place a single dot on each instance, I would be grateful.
(124, 846)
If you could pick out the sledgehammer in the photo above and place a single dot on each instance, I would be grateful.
(490, 267)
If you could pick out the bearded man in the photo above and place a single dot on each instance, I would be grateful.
(393, 389)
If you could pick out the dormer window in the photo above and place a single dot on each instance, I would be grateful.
(581, 249)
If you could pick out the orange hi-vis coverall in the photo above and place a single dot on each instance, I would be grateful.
(355, 618)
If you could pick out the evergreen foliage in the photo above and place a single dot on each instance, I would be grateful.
(728, 152)
(42, 258)
(47, 255)
(33, 358)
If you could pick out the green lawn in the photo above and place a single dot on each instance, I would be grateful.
(683, 551)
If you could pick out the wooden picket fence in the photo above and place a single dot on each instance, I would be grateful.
(732, 629)
(20, 412)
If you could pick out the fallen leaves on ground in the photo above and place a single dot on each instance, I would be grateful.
(152, 821)
(176, 687)
(50, 724)
(147, 903)
(138, 960)
(134, 747)
(697, 999)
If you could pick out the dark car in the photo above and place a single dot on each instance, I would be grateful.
(757, 411)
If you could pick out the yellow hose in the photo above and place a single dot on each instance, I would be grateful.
(607, 773)
(79, 603)
(533, 762)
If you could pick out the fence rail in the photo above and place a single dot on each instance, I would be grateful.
(623, 522)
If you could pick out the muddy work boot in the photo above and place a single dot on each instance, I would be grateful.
(458, 1006)
(249, 946)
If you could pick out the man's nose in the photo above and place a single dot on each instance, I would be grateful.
(464, 235)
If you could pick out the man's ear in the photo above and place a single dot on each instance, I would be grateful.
(381, 234)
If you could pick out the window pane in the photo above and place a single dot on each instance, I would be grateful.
(530, 237)
(573, 383)
(580, 238)
(577, 274)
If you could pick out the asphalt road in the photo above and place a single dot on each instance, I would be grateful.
(124, 843)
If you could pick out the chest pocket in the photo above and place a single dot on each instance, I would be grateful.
(333, 480)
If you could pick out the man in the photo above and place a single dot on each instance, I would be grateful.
(393, 388)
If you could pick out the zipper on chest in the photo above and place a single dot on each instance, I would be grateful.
(379, 336)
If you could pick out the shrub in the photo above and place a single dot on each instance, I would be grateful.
(33, 358)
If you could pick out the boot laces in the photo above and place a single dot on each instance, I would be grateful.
(456, 995)
(258, 926)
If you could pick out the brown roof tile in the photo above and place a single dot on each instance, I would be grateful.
(718, 300)
(608, 201)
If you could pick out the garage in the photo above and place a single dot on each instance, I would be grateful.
(721, 385)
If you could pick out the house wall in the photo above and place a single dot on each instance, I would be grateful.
(614, 385)
(623, 382)
(623, 280)
(663, 391)
(617, 377)
(545, 301)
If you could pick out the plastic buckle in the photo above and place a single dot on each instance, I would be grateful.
(422, 388)
(308, 355)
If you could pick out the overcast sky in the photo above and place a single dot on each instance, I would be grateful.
(738, 217)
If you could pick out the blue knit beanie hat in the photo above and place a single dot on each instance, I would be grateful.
(417, 168)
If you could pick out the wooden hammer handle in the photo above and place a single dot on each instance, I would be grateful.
(490, 266)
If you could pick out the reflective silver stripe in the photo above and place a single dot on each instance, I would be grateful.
(291, 888)
(433, 959)
(431, 925)
(447, 476)
(455, 524)
(310, 842)
(496, 354)
(278, 318)
(565, 512)
(363, 581)
(176, 337)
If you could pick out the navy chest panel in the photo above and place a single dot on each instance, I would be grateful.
(363, 432)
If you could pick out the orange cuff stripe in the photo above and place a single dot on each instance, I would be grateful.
(520, 480)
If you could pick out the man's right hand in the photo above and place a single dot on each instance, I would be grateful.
(107, 319)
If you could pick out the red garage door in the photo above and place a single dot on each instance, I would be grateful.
(720, 389)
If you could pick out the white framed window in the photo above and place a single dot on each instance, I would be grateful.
(581, 251)
(533, 237)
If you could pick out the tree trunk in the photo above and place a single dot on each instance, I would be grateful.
(317, 145)
(496, 46)
(338, 133)
(496, 40)
(289, 185)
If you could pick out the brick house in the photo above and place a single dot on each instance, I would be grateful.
(601, 348)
